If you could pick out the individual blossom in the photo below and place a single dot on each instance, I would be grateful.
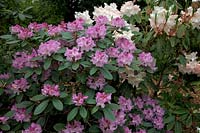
(102, 98)
(76, 25)
(73, 54)
(25, 33)
(148, 114)
(106, 125)
(78, 99)
(5, 76)
(85, 43)
(85, 16)
(19, 85)
(125, 104)
(159, 111)
(113, 52)
(125, 45)
(119, 118)
(118, 22)
(49, 47)
(56, 30)
(149, 101)
(74, 127)
(158, 123)
(99, 58)
(127, 130)
(33, 128)
(101, 20)
(139, 102)
(20, 114)
(50, 90)
(96, 31)
(3, 119)
(37, 27)
(128, 8)
(124, 58)
(96, 82)
(16, 29)
(147, 60)
(136, 119)
(123, 34)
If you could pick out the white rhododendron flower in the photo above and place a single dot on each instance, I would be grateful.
(195, 20)
(84, 15)
(110, 11)
(128, 8)
(195, 0)
(124, 34)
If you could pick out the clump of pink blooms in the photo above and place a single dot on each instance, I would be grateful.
(125, 45)
(23, 59)
(74, 127)
(101, 20)
(56, 30)
(96, 82)
(78, 99)
(22, 33)
(50, 90)
(5, 76)
(3, 119)
(37, 27)
(124, 58)
(102, 98)
(76, 25)
(19, 85)
(96, 31)
(85, 43)
(49, 47)
(100, 58)
(118, 22)
(33, 128)
(113, 52)
(147, 60)
(73, 54)
(20, 114)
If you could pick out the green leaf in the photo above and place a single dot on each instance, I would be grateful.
(106, 74)
(57, 104)
(1, 91)
(24, 104)
(91, 101)
(13, 42)
(21, 17)
(38, 71)
(94, 129)
(41, 121)
(83, 112)
(38, 97)
(189, 121)
(109, 89)
(180, 111)
(72, 114)
(63, 94)
(67, 35)
(5, 127)
(170, 125)
(64, 66)
(169, 119)
(6, 36)
(59, 126)
(181, 31)
(111, 67)
(113, 106)
(41, 107)
(28, 73)
(108, 114)
(9, 114)
(178, 128)
(93, 70)
(146, 124)
(61, 51)
(75, 65)
(47, 63)
(94, 109)
(86, 64)
(58, 57)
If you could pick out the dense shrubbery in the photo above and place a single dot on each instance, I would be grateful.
(100, 74)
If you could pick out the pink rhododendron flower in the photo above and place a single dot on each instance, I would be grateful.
(33, 128)
(37, 27)
(50, 90)
(102, 98)
(20, 114)
(99, 58)
(124, 59)
(96, 82)
(76, 25)
(113, 52)
(101, 20)
(135, 119)
(106, 125)
(78, 99)
(158, 122)
(5, 76)
(49, 47)
(125, 104)
(118, 22)
(147, 60)
(24, 34)
(125, 45)
(85, 43)
(73, 54)
(16, 29)
(96, 31)
(56, 30)
(19, 85)
(3, 119)
(74, 127)
(127, 130)
(141, 131)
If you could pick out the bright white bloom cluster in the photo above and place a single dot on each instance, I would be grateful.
(160, 22)
(195, 0)
(128, 8)
(192, 65)
(85, 16)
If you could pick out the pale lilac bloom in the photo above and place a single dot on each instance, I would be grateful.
(113, 52)
(148, 114)
(96, 31)
(3, 119)
(49, 47)
(127, 130)
(147, 60)
(118, 22)
(56, 30)
(101, 20)
(158, 122)
(19, 85)
(136, 120)
(125, 45)
(16, 29)
(125, 104)
(74, 127)
(20, 114)
(78, 99)
(50, 90)
(119, 118)
(139, 102)
(25, 33)
(85, 43)
(102, 98)
(106, 125)
(96, 82)
(141, 131)
(5, 76)
(33, 128)
(149, 101)
(99, 58)
(158, 111)
(124, 58)
(37, 27)
(73, 54)
(76, 25)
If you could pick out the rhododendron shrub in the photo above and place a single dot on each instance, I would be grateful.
(85, 75)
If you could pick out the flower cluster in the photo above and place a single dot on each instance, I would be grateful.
(49, 47)
(128, 8)
(96, 31)
(50, 90)
(76, 25)
(3, 119)
(96, 82)
(33, 128)
(99, 58)
(5, 76)
(74, 127)
(19, 85)
(78, 99)
(85, 43)
(102, 98)
(22, 33)
(20, 114)
(147, 60)
(73, 54)
(85, 16)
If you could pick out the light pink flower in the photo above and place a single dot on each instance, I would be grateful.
(85, 43)
(127, 130)
(79, 99)
(147, 60)
(49, 47)
(37, 27)
(125, 45)
(96, 82)
(96, 31)
(19, 85)
(102, 98)
(20, 114)
(124, 59)
(125, 104)
(118, 22)
(74, 127)
(99, 58)
(73, 54)
(101, 20)
(33, 128)
(50, 90)
(16, 29)
(5, 76)
(113, 52)
(76, 25)
(3, 119)
(24, 33)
